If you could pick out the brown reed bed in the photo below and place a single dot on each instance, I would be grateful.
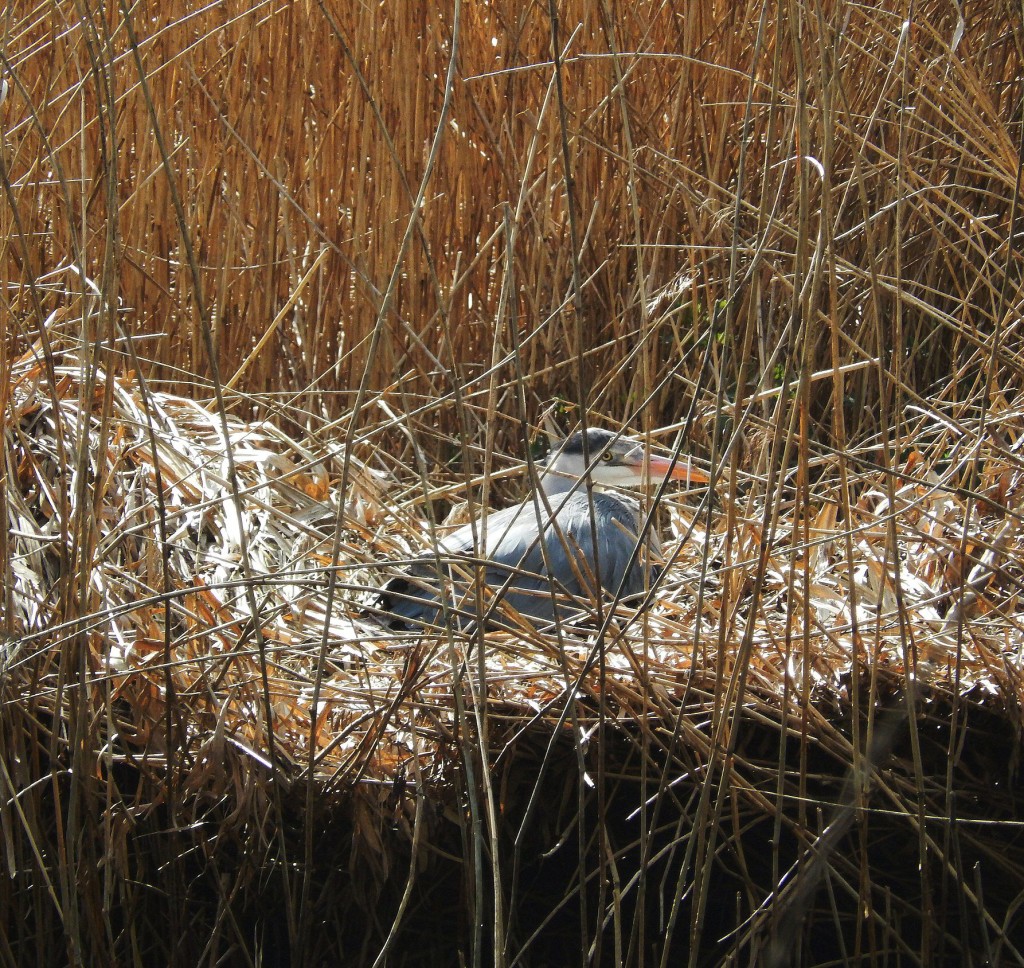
(283, 284)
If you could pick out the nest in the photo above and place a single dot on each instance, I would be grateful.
(802, 745)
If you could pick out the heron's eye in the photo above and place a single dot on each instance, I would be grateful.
(607, 456)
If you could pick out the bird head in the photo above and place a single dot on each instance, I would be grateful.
(615, 461)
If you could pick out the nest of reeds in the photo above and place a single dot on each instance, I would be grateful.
(189, 596)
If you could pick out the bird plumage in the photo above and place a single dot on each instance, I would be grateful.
(562, 547)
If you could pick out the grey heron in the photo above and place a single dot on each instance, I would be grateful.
(564, 545)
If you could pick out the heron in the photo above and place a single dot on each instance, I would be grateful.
(542, 560)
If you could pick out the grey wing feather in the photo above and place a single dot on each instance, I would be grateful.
(517, 563)
(616, 535)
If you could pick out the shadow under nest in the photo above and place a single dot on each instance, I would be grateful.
(579, 882)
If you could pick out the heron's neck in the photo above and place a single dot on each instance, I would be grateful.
(552, 483)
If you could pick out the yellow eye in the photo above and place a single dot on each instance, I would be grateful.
(607, 455)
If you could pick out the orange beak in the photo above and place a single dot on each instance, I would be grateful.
(682, 470)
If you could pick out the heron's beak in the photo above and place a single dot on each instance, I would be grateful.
(682, 470)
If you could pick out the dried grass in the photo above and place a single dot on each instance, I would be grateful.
(240, 374)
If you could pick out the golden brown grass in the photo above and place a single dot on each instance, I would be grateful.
(390, 238)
